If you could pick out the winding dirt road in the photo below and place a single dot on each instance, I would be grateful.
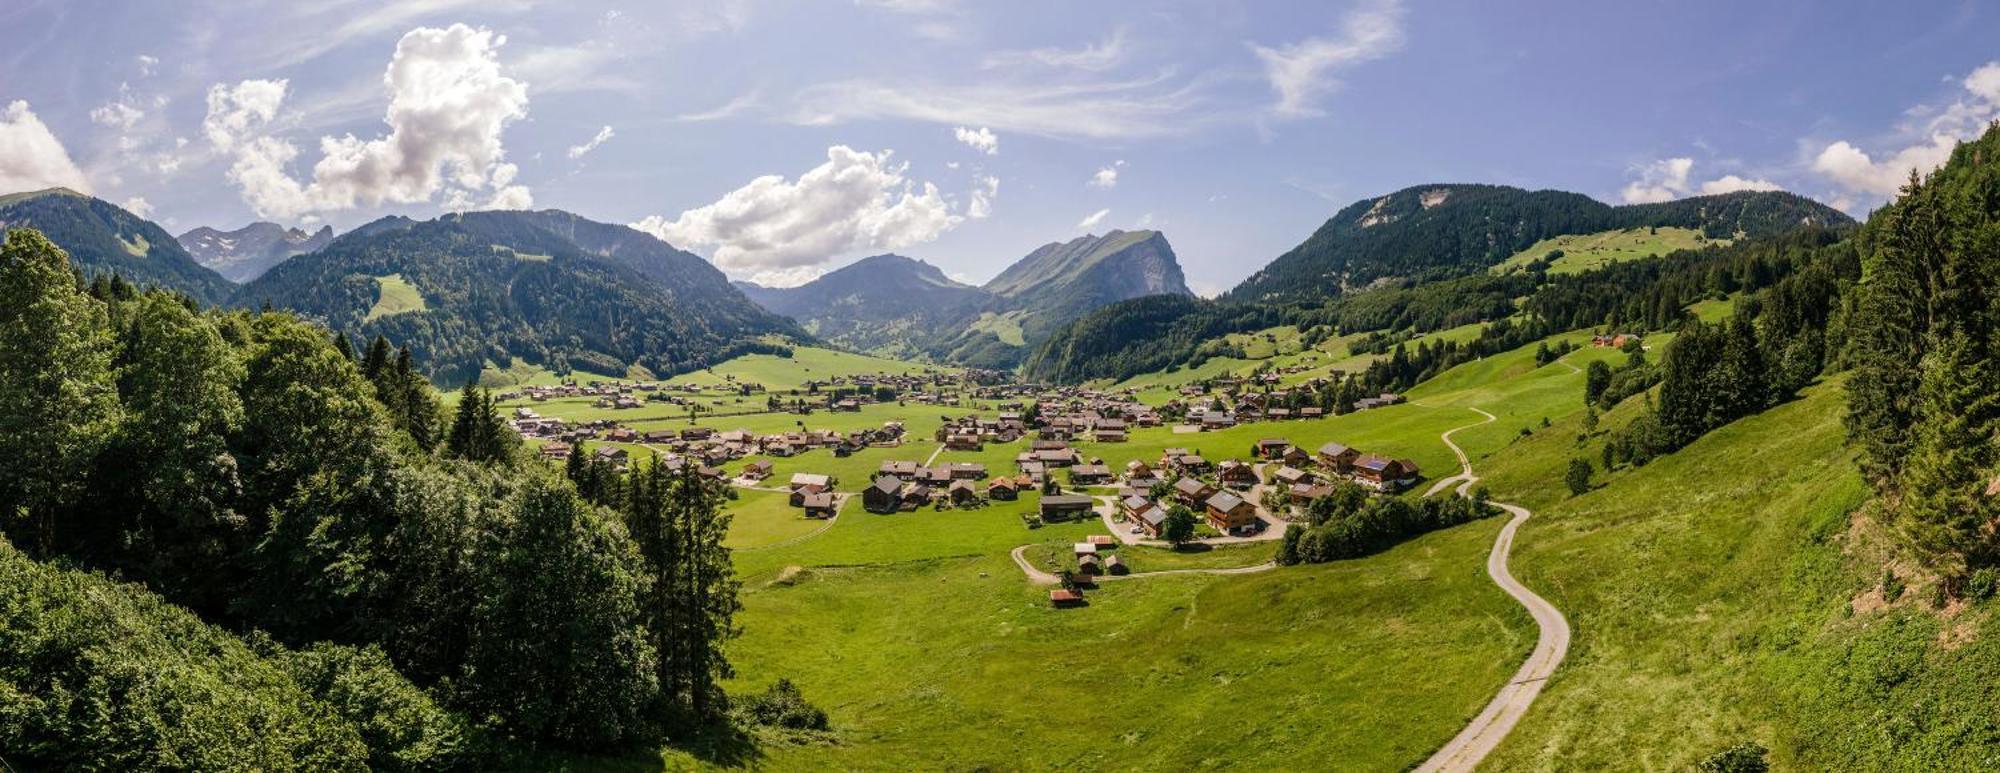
(1464, 751)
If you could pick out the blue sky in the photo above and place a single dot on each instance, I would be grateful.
(782, 139)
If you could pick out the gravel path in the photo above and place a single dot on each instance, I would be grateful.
(1491, 726)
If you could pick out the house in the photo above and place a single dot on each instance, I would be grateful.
(1337, 458)
(1269, 447)
(1103, 541)
(1384, 474)
(899, 469)
(1063, 457)
(757, 470)
(818, 505)
(1136, 470)
(1108, 435)
(1089, 564)
(885, 495)
(1235, 474)
(1312, 412)
(1192, 491)
(1135, 505)
(806, 479)
(1190, 464)
(1295, 456)
(917, 495)
(1084, 548)
(1228, 512)
(1003, 489)
(1305, 493)
(963, 442)
(1291, 476)
(1089, 474)
(1214, 420)
(1064, 597)
(1115, 565)
(967, 470)
(556, 451)
(1062, 507)
(962, 492)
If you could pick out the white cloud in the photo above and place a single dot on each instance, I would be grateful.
(1303, 72)
(856, 200)
(1669, 178)
(120, 115)
(234, 112)
(984, 189)
(448, 105)
(1924, 146)
(1152, 106)
(31, 158)
(1090, 221)
(1104, 55)
(148, 65)
(138, 205)
(578, 151)
(1106, 177)
(982, 139)
(1662, 180)
(1730, 183)
(730, 109)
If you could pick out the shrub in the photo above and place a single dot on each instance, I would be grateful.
(1745, 757)
(783, 706)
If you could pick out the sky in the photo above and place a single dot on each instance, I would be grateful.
(784, 138)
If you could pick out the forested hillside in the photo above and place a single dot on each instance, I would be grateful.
(885, 304)
(548, 287)
(102, 238)
(1437, 231)
(324, 570)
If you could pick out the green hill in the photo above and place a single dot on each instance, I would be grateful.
(102, 238)
(1445, 230)
(547, 287)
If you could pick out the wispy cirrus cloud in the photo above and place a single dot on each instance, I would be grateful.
(1304, 72)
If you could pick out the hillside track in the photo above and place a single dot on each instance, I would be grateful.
(1465, 751)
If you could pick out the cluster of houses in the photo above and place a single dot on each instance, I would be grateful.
(705, 445)
(905, 485)
(1614, 340)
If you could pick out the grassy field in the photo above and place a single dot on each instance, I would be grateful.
(395, 295)
(764, 518)
(1006, 327)
(1583, 252)
(806, 363)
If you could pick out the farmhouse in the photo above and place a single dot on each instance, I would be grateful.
(757, 470)
(819, 505)
(1089, 474)
(1384, 474)
(962, 492)
(1062, 507)
(1270, 447)
(885, 495)
(1228, 512)
(1337, 458)
(810, 480)
(1002, 489)
(1192, 491)
(1235, 474)
(1291, 476)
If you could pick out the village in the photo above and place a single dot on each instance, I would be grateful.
(1052, 454)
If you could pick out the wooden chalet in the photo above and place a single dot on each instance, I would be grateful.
(1228, 512)
(819, 505)
(885, 495)
(1235, 474)
(1063, 507)
(1384, 474)
(1192, 491)
(1337, 458)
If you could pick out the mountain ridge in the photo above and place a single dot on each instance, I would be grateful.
(246, 253)
(104, 238)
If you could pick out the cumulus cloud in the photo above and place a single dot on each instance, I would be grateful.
(1926, 142)
(148, 65)
(984, 189)
(1090, 221)
(235, 112)
(1106, 177)
(449, 103)
(1302, 73)
(120, 114)
(31, 158)
(1669, 178)
(138, 205)
(856, 200)
(578, 151)
(982, 139)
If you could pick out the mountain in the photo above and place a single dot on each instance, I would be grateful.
(549, 287)
(246, 253)
(890, 304)
(1431, 231)
(886, 304)
(103, 238)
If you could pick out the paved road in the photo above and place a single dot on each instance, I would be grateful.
(1040, 577)
(1471, 745)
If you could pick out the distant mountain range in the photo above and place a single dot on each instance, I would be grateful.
(246, 253)
(103, 238)
(894, 305)
(1429, 231)
(465, 290)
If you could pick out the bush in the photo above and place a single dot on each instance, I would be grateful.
(783, 706)
(1746, 757)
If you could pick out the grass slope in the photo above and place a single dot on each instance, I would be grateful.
(394, 295)
(1583, 252)
(1714, 593)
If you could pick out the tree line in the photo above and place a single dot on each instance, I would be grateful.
(1349, 523)
(418, 592)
